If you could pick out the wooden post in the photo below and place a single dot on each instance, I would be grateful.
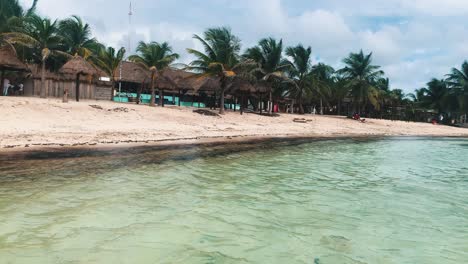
(242, 104)
(234, 99)
(65, 94)
(261, 103)
(180, 97)
(3, 80)
(78, 87)
(161, 97)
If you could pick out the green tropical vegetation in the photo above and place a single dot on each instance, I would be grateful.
(155, 57)
(288, 74)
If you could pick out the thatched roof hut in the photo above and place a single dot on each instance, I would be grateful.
(9, 61)
(168, 79)
(132, 72)
(239, 84)
(78, 65)
(205, 84)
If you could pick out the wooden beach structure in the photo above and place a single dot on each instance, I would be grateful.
(9, 62)
(91, 87)
(80, 67)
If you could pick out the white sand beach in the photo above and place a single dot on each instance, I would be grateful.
(33, 122)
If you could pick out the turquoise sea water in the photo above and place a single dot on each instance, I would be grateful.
(402, 200)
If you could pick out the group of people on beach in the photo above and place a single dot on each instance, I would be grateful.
(12, 89)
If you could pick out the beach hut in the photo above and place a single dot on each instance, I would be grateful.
(166, 80)
(133, 78)
(78, 66)
(9, 62)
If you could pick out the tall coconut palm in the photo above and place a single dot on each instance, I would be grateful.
(436, 95)
(155, 57)
(77, 37)
(12, 17)
(220, 58)
(362, 75)
(268, 55)
(108, 60)
(458, 82)
(338, 92)
(299, 69)
(12, 13)
(44, 37)
(323, 80)
(418, 96)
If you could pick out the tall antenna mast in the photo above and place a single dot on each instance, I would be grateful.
(130, 14)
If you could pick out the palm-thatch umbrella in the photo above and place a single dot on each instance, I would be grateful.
(79, 66)
(9, 62)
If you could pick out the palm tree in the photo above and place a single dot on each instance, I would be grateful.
(338, 92)
(323, 81)
(155, 57)
(108, 60)
(361, 76)
(418, 96)
(268, 55)
(220, 59)
(299, 70)
(12, 14)
(77, 37)
(436, 95)
(12, 17)
(44, 37)
(458, 82)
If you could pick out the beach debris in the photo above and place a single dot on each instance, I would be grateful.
(205, 112)
(269, 115)
(302, 120)
(97, 107)
(118, 109)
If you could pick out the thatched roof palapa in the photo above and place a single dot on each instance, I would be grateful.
(78, 65)
(238, 84)
(205, 84)
(9, 61)
(132, 72)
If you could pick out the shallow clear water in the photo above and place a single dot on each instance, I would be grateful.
(338, 201)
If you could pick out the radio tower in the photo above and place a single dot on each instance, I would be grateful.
(130, 14)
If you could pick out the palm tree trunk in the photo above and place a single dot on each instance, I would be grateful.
(301, 107)
(180, 97)
(153, 93)
(221, 102)
(270, 103)
(321, 106)
(42, 92)
(78, 87)
(112, 90)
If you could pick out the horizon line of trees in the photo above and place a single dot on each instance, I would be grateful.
(288, 72)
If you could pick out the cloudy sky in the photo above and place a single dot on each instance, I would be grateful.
(413, 40)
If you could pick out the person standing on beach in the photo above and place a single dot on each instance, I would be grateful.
(6, 85)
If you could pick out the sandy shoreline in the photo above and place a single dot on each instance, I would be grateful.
(34, 124)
